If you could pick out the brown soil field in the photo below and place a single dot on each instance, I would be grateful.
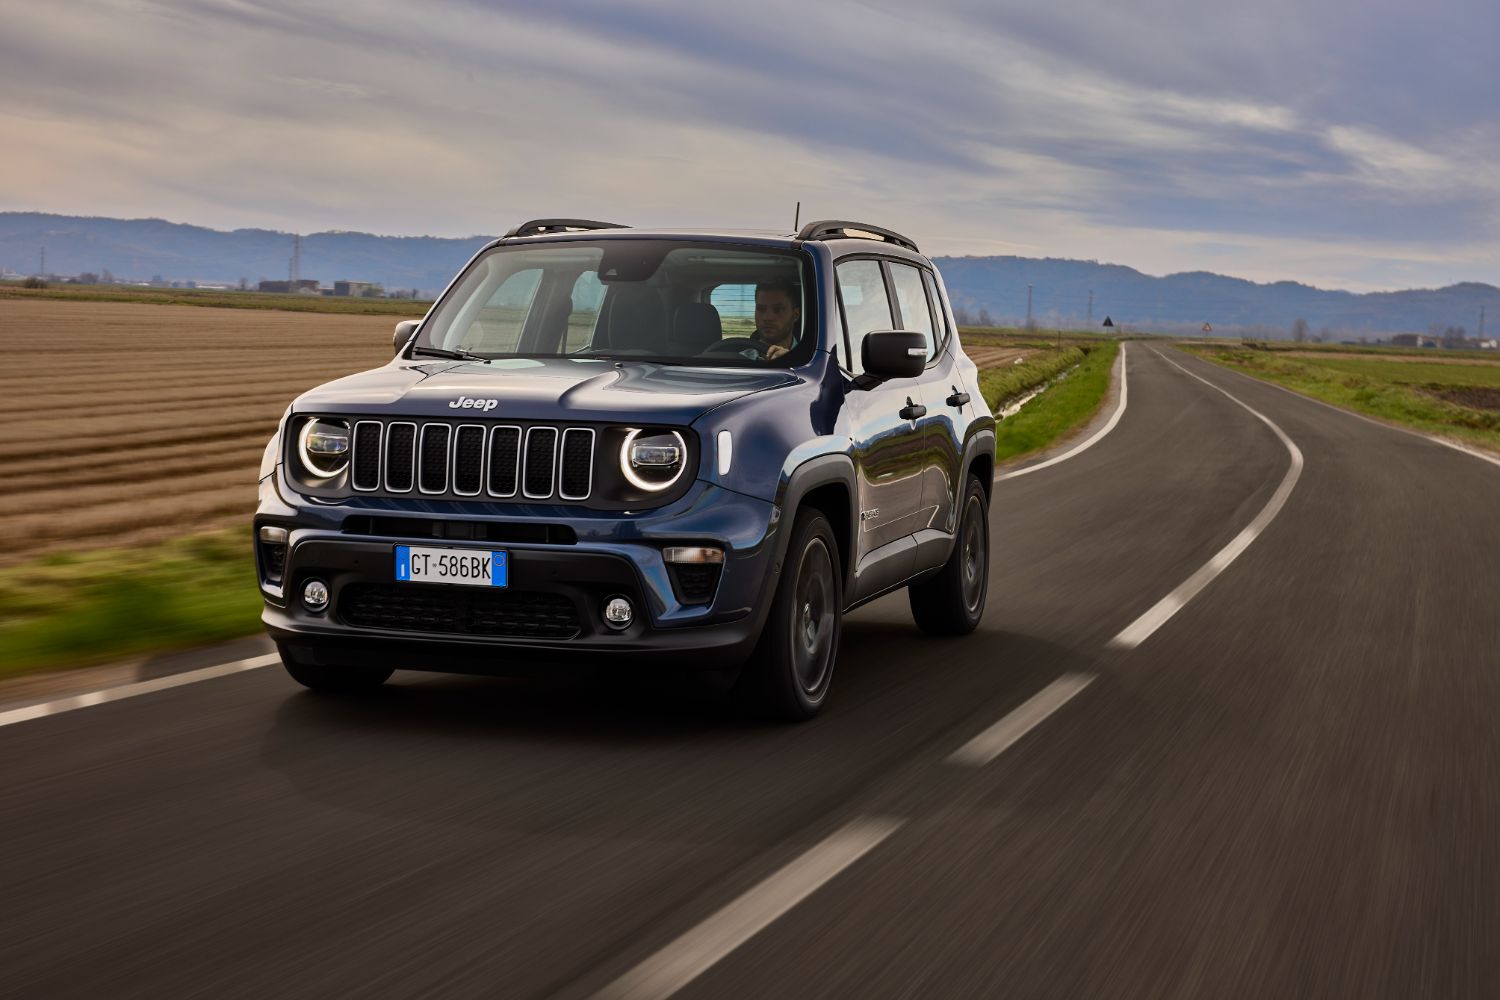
(991, 357)
(128, 423)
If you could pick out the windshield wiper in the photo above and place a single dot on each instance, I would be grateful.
(443, 352)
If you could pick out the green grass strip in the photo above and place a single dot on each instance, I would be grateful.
(93, 607)
(1408, 394)
(1071, 401)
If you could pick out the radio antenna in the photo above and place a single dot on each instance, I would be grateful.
(797, 221)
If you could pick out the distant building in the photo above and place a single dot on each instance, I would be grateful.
(1412, 340)
(355, 288)
(1489, 345)
(302, 285)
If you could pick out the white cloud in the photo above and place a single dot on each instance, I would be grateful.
(985, 135)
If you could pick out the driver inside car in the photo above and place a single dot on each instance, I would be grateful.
(778, 318)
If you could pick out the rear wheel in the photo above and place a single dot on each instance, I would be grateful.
(789, 673)
(952, 603)
(335, 679)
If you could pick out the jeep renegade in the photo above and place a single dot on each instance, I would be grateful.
(592, 445)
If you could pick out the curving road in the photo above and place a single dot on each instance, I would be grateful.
(1284, 786)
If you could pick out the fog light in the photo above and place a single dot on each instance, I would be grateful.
(618, 613)
(315, 595)
(273, 534)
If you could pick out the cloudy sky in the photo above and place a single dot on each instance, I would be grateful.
(1346, 143)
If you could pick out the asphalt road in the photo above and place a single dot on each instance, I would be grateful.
(1290, 788)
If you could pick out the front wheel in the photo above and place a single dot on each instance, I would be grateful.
(952, 602)
(788, 675)
(336, 679)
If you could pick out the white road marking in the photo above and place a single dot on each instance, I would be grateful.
(1140, 630)
(688, 957)
(77, 701)
(1021, 720)
(1094, 439)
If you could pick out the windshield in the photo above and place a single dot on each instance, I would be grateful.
(661, 300)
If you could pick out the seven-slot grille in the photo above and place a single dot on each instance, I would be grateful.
(472, 460)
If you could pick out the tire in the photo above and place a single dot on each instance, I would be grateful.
(952, 603)
(788, 676)
(334, 679)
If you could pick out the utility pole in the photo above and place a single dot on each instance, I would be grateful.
(42, 270)
(1481, 322)
(1028, 305)
(294, 273)
(1091, 309)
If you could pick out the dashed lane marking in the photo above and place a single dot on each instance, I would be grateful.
(77, 701)
(1023, 719)
(1141, 629)
(688, 957)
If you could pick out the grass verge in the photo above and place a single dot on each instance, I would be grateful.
(1461, 402)
(1071, 401)
(78, 609)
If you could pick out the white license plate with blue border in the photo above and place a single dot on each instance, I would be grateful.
(464, 567)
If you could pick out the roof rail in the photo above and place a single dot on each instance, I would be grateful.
(839, 229)
(537, 227)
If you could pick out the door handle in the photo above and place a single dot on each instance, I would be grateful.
(912, 411)
(958, 399)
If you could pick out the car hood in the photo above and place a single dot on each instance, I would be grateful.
(562, 389)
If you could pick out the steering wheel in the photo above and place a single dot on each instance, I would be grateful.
(734, 345)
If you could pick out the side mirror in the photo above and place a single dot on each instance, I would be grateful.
(888, 354)
(404, 332)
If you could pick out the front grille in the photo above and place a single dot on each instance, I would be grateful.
(434, 467)
(458, 611)
(541, 461)
(400, 459)
(436, 458)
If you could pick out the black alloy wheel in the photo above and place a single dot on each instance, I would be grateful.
(788, 675)
(952, 602)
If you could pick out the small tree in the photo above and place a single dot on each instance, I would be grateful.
(34, 282)
(984, 318)
(373, 292)
(1299, 330)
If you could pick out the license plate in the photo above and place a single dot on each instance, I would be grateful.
(465, 567)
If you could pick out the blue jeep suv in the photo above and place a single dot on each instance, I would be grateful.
(689, 448)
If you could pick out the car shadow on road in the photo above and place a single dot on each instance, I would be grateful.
(631, 755)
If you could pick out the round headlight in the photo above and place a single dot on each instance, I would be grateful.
(653, 462)
(324, 446)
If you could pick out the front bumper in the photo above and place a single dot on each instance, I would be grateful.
(614, 554)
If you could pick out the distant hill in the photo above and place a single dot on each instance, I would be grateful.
(139, 249)
(1181, 303)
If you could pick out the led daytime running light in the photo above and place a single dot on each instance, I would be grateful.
(329, 441)
(629, 463)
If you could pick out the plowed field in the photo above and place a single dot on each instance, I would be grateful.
(126, 423)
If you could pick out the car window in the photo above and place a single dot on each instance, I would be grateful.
(736, 305)
(866, 305)
(588, 295)
(916, 314)
(497, 324)
(939, 316)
